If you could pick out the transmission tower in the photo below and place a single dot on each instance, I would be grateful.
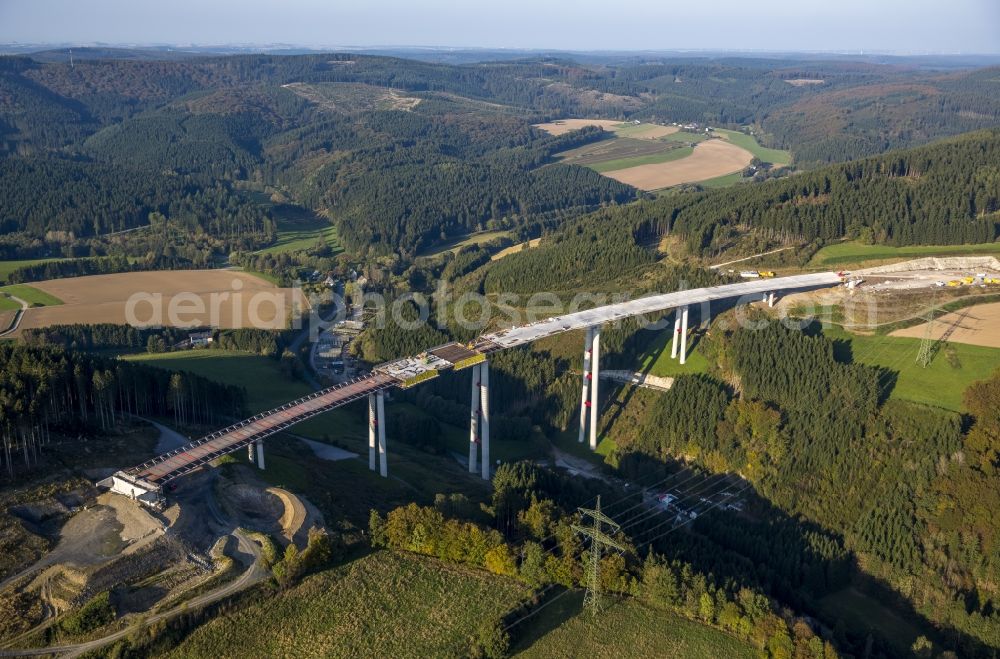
(599, 540)
(926, 353)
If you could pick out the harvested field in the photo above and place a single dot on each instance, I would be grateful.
(6, 318)
(221, 298)
(710, 159)
(978, 326)
(601, 156)
(563, 126)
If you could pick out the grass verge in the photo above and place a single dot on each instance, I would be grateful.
(31, 295)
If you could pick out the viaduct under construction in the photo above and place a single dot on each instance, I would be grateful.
(145, 482)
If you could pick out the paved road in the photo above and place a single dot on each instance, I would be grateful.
(17, 317)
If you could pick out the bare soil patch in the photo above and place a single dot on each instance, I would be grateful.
(6, 318)
(222, 298)
(978, 325)
(802, 82)
(563, 126)
(710, 158)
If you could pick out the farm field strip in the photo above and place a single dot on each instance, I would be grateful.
(7, 267)
(33, 296)
(624, 163)
(710, 159)
(748, 142)
(977, 325)
(227, 298)
(563, 126)
(853, 252)
(653, 157)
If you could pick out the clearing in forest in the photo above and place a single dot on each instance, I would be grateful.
(563, 126)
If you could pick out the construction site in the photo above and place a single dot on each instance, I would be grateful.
(212, 541)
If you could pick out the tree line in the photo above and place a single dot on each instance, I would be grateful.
(48, 392)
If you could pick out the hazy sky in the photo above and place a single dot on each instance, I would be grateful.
(967, 26)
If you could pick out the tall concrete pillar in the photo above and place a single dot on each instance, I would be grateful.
(250, 452)
(770, 299)
(484, 432)
(475, 399)
(588, 347)
(372, 425)
(595, 372)
(383, 466)
(677, 332)
(684, 333)
(260, 453)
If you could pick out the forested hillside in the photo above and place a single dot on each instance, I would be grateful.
(404, 155)
(903, 487)
(943, 193)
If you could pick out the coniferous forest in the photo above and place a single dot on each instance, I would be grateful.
(407, 175)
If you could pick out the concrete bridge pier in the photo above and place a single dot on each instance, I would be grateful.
(484, 422)
(476, 400)
(595, 361)
(677, 333)
(383, 466)
(770, 299)
(372, 426)
(250, 452)
(588, 347)
(684, 332)
(260, 453)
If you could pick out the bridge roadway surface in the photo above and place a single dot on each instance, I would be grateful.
(189, 457)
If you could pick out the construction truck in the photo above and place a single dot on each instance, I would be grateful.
(968, 280)
(954, 283)
(766, 273)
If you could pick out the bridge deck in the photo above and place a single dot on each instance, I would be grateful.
(654, 303)
(176, 463)
(189, 457)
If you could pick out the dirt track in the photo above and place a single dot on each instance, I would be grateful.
(222, 298)
(978, 326)
(711, 158)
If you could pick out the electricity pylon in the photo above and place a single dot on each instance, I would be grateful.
(599, 540)
(926, 353)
